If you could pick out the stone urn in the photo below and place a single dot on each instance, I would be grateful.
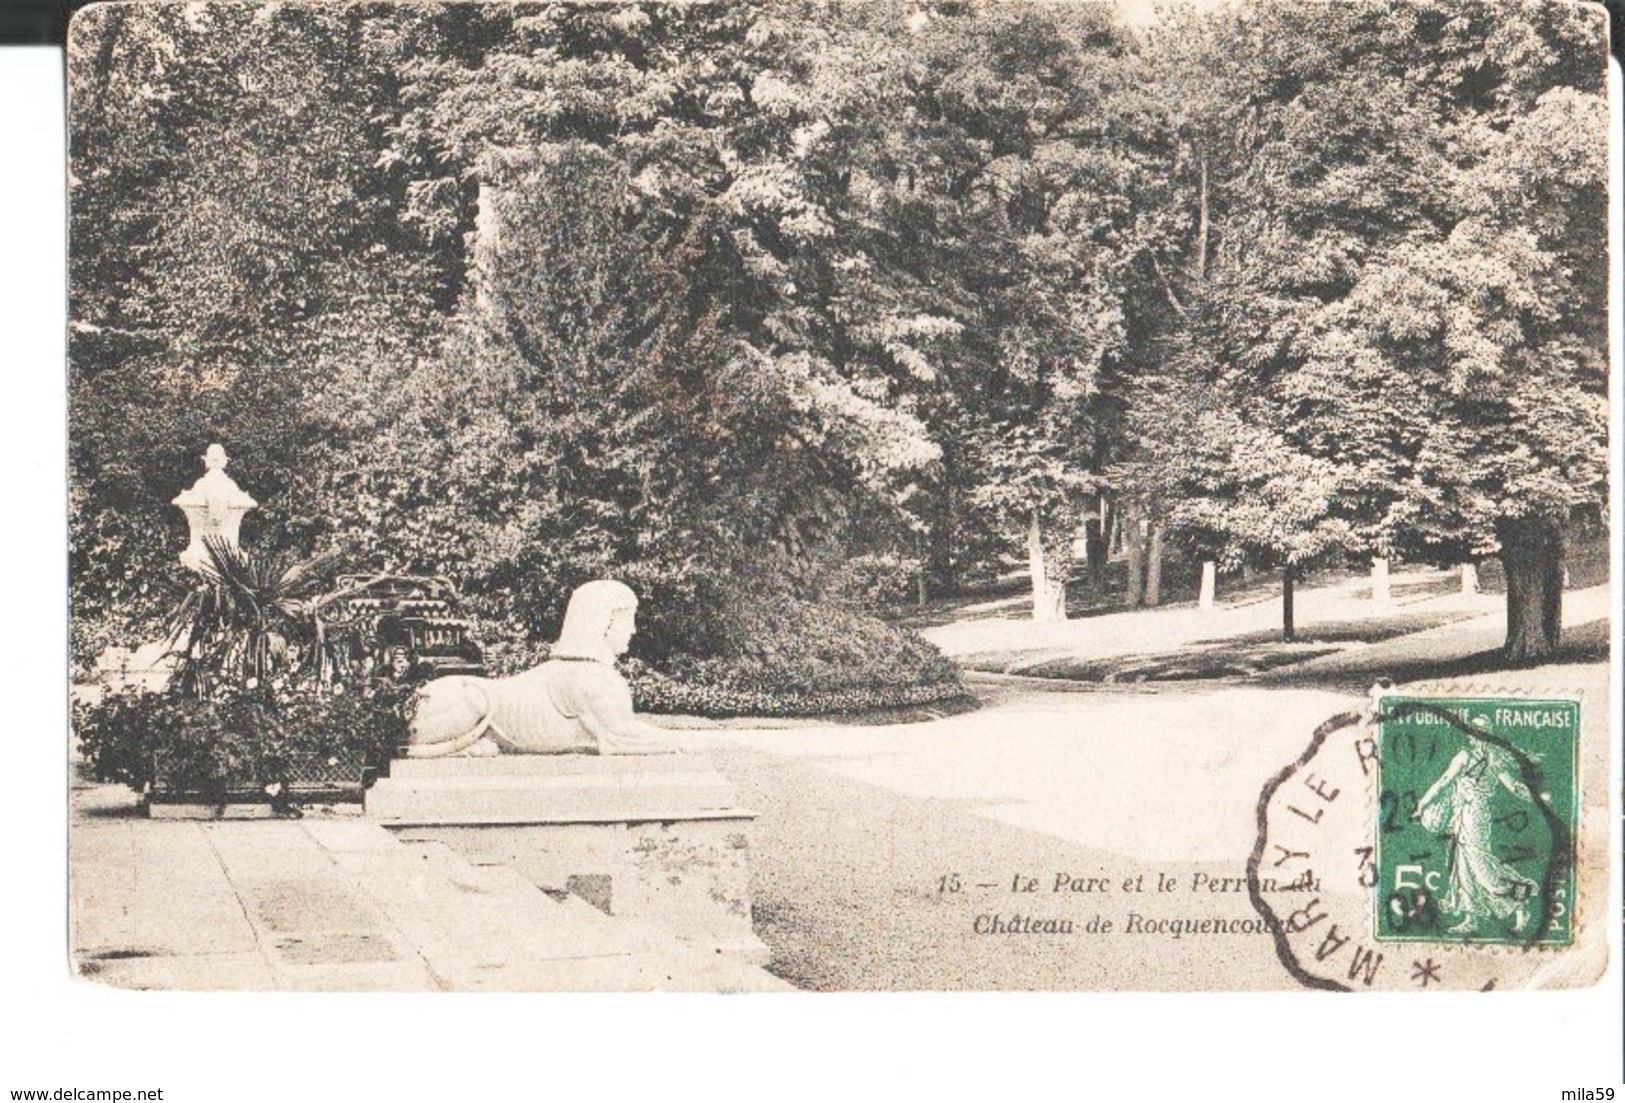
(214, 508)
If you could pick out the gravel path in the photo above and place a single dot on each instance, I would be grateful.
(847, 896)
(858, 826)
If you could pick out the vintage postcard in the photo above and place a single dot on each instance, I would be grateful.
(776, 496)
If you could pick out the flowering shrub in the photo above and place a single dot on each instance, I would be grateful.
(799, 659)
(660, 693)
(242, 742)
(884, 583)
(259, 704)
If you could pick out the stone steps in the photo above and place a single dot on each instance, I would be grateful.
(485, 927)
(344, 905)
(660, 839)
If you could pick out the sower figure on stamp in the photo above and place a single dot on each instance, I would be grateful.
(1458, 806)
(574, 703)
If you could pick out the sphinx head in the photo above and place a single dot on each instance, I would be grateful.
(599, 622)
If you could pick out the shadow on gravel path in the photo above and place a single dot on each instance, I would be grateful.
(1584, 643)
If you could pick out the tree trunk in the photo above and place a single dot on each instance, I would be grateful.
(1049, 581)
(1248, 573)
(1469, 578)
(941, 568)
(487, 242)
(1134, 552)
(1288, 631)
(1094, 542)
(921, 590)
(1532, 555)
(1153, 566)
(1202, 220)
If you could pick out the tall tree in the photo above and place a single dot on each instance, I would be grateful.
(692, 301)
(1394, 204)
(1010, 184)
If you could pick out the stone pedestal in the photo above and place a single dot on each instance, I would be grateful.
(148, 667)
(660, 838)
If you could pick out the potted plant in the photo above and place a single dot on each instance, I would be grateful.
(259, 709)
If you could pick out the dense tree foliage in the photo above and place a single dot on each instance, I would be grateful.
(236, 246)
(1393, 296)
(727, 298)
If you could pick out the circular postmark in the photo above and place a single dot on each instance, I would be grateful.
(1425, 842)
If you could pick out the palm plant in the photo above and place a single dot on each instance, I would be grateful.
(251, 618)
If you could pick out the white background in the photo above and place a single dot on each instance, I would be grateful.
(58, 1032)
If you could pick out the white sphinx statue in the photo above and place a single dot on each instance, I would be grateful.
(574, 703)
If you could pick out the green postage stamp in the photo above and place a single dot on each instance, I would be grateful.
(1477, 809)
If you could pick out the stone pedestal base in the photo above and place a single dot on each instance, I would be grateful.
(658, 838)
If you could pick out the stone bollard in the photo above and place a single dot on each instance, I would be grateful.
(1380, 593)
(1204, 600)
(1469, 578)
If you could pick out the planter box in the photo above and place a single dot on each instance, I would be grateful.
(181, 809)
(311, 782)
